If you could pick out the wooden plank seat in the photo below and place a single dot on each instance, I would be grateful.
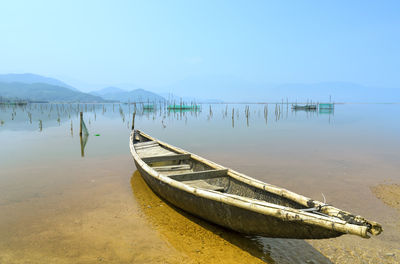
(203, 185)
(166, 158)
(172, 167)
(153, 151)
(147, 144)
(199, 175)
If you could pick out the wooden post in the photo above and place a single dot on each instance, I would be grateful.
(233, 117)
(82, 146)
(133, 120)
(80, 123)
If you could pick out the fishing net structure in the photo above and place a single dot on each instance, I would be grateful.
(84, 137)
(84, 128)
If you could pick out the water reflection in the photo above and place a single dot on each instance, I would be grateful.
(326, 111)
(298, 150)
(184, 110)
(83, 140)
(190, 234)
(21, 117)
(304, 109)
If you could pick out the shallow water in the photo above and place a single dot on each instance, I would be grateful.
(61, 207)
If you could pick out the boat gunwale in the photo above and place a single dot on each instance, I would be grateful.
(282, 212)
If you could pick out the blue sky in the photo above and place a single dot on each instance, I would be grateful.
(160, 43)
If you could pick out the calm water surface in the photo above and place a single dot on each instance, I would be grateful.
(59, 206)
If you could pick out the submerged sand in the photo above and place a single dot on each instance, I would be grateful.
(389, 194)
(93, 220)
(58, 208)
(102, 220)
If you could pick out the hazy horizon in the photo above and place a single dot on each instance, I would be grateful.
(156, 44)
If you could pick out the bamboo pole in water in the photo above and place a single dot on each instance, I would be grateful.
(82, 147)
(133, 119)
(80, 123)
(233, 117)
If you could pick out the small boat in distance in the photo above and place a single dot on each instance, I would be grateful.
(148, 107)
(310, 107)
(236, 201)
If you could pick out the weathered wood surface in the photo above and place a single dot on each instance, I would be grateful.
(166, 158)
(133, 120)
(153, 151)
(147, 143)
(199, 175)
(203, 185)
(172, 167)
(230, 213)
(80, 122)
(147, 146)
(175, 172)
(243, 213)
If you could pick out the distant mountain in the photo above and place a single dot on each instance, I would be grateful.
(45, 92)
(138, 95)
(339, 91)
(232, 89)
(187, 99)
(32, 78)
(108, 91)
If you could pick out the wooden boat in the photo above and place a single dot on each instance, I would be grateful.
(310, 107)
(236, 201)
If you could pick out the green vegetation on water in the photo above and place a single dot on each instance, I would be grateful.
(148, 107)
(19, 103)
(326, 106)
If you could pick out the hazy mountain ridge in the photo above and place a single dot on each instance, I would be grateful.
(33, 87)
(175, 98)
(340, 92)
(45, 92)
(232, 89)
(195, 89)
(108, 90)
(137, 95)
(31, 78)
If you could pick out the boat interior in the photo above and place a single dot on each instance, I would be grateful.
(195, 173)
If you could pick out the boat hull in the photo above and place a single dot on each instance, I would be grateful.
(233, 217)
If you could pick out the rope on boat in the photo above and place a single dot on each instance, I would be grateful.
(316, 209)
